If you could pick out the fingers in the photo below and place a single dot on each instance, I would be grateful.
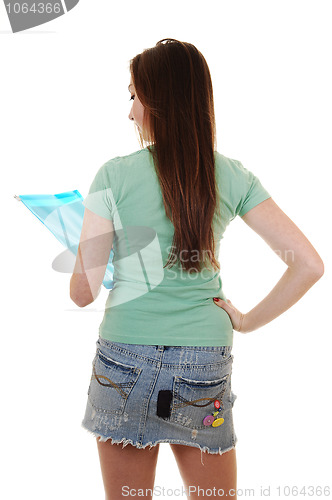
(220, 302)
(235, 315)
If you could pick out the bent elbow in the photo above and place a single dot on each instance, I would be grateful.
(313, 269)
(79, 302)
(318, 269)
(79, 294)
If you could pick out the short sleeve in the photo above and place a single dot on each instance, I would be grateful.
(251, 191)
(98, 199)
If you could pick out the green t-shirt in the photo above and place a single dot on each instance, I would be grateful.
(150, 304)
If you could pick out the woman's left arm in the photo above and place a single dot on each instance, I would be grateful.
(92, 258)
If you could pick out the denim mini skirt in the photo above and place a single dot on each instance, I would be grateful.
(148, 394)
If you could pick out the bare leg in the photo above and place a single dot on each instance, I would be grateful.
(127, 468)
(218, 471)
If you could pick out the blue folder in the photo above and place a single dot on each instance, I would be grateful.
(63, 215)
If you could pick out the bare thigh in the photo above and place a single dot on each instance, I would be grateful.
(128, 468)
(218, 471)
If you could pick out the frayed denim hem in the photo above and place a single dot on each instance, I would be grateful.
(138, 445)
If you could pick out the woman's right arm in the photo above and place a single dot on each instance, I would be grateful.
(305, 267)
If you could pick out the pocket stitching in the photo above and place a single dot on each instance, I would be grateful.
(117, 363)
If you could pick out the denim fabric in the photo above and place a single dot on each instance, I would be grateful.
(149, 394)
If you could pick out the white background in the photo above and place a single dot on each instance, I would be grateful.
(64, 112)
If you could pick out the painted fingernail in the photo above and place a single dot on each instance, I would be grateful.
(216, 299)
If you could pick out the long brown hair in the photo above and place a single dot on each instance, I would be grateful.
(173, 82)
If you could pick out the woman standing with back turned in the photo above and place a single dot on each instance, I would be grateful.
(163, 362)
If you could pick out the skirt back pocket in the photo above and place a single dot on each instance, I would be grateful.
(199, 403)
(111, 383)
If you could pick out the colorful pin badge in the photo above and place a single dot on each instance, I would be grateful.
(217, 422)
(210, 420)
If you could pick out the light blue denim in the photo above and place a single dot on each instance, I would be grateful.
(123, 401)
